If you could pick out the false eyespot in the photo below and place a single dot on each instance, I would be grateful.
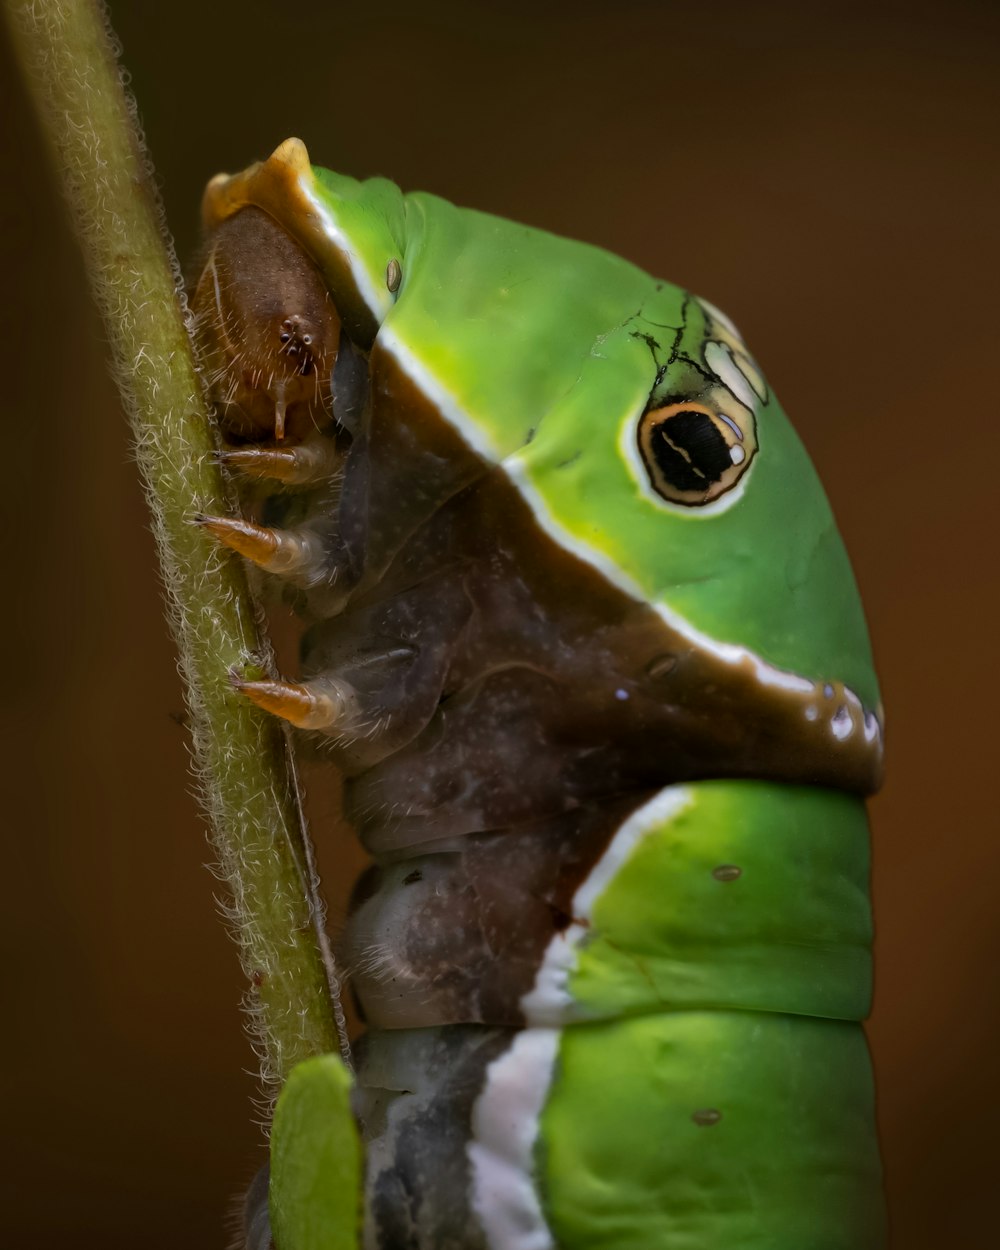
(694, 453)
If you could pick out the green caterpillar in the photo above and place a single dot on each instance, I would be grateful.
(586, 645)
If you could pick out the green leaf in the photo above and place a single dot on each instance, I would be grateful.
(316, 1184)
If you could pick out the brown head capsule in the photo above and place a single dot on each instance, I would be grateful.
(267, 328)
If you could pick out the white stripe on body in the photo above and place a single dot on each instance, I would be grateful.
(505, 1125)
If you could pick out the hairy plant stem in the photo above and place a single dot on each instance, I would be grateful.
(241, 756)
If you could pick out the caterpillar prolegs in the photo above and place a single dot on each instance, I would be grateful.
(585, 643)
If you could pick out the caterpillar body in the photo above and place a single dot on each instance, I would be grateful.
(585, 643)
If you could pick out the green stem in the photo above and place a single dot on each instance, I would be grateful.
(241, 755)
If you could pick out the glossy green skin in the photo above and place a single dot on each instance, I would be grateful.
(792, 1163)
(741, 997)
(477, 292)
(791, 933)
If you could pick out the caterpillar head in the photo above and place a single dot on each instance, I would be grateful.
(267, 329)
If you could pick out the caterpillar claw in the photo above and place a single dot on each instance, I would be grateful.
(324, 704)
(301, 465)
(287, 553)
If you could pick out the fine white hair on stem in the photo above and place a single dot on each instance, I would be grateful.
(240, 759)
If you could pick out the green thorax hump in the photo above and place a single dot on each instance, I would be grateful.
(574, 370)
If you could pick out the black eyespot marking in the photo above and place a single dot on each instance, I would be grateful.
(692, 453)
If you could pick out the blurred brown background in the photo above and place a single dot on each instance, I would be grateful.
(829, 175)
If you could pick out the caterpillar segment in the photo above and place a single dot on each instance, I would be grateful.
(586, 647)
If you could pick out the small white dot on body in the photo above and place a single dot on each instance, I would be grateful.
(842, 723)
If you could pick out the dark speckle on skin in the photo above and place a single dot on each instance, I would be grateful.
(706, 1117)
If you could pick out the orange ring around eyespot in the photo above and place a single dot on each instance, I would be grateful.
(732, 434)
